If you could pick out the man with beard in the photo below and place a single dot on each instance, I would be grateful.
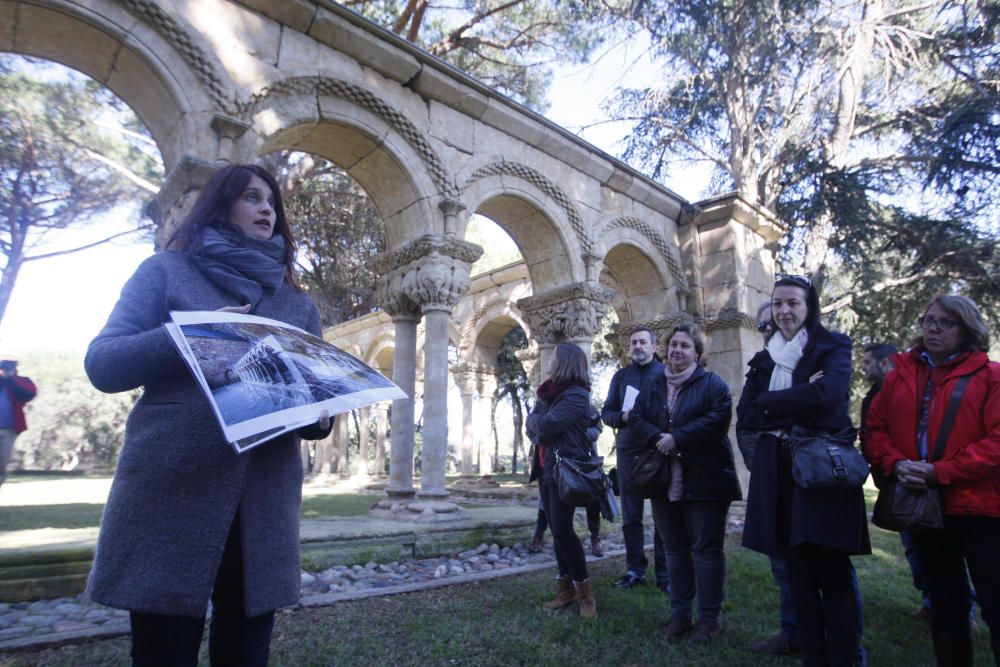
(626, 384)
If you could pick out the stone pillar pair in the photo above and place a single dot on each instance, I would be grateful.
(425, 278)
(475, 382)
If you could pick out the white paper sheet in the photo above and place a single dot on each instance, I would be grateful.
(631, 393)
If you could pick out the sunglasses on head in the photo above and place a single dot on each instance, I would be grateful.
(803, 281)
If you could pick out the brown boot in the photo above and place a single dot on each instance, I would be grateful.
(565, 593)
(588, 605)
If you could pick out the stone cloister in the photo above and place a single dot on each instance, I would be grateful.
(219, 81)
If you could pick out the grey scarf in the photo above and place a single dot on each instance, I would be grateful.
(245, 267)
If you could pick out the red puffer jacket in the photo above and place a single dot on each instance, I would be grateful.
(969, 469)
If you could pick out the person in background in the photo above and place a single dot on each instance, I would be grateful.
(644, 367)
(685, 414)
(15, 391)
(903, 424)
(189, 520)
(814, 531)
(559, 423)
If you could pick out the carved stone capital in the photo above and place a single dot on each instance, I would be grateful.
(177, 194)
(573, 312)
(391, 298)
(432, 272)
(470, 378)
(530, 358)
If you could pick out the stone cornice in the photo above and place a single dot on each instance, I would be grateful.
(442, 244)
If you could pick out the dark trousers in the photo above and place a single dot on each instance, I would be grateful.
(965, 540)
(161, 640)
(566, 544)
(633, 533)
(694, 534)
(826, 604)
(593, 520)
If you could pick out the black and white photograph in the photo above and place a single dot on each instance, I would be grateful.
(264, 378)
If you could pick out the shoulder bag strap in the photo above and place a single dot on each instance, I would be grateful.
(949, 416)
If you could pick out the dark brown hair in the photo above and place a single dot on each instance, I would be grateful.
(217, 197)
(696, 335)
(571, 365)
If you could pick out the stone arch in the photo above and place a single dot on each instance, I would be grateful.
(380, 353)
(486, 329)
(144, 55)
(669, 253)
(542, 232)
(376, 145)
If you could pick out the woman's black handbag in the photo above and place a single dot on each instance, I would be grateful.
(581, 482)
(918, 510)
(650, 474)
(826, 461)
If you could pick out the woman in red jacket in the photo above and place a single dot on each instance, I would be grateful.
(902, 429)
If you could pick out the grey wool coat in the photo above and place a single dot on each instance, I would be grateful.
(179, 484)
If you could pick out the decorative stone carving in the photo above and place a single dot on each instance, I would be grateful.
(567, 313)
(229, 131)
(451, 208)
(177, 194)
(432, 271)
(667, 252)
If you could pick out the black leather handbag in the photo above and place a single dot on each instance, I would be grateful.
(826, 461)
(650, 474)
(581, 482)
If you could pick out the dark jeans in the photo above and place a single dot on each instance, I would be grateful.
(161, 640)
(789, 628)
(694, 534)
(972, 541)
(632, 530)
(566, 544)
(826, 604)
(593, 520)
(916, 569)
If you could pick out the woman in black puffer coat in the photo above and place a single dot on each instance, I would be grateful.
(686, 416)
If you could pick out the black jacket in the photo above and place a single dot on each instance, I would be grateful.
(832, 519)
(561, 425)
(700, 424)
(611, 414)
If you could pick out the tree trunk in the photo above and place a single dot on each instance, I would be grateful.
(518, 437)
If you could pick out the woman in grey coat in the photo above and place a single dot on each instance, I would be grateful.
(188, 519)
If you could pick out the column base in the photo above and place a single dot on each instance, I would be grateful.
(422, 511)
(397, 493)
(475, 482)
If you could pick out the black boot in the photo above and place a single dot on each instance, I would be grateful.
(952, 649)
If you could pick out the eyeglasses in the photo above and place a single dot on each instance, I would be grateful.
(765, 325)
(804, 281)
(928, 322)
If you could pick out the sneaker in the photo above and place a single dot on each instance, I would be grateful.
(596, 548)
(677, 628)
(704, 634)
(779, 644)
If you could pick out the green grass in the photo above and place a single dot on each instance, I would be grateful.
(500, 622)
(68, 515)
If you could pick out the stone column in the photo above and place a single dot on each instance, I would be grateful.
(364, 416)
(465, 377)
(405, 315)
(381, 424)
(343, 440)
(481, 416)
(432, 272)
(728, 246)
(572, 313)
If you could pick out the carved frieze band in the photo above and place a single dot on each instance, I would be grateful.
(537, 179)
(190, 52)
(317, 85)
(572, 312)
(664, 325)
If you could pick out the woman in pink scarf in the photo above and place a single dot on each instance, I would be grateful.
(686, 415)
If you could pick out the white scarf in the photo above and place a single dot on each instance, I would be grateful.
(786, 356)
